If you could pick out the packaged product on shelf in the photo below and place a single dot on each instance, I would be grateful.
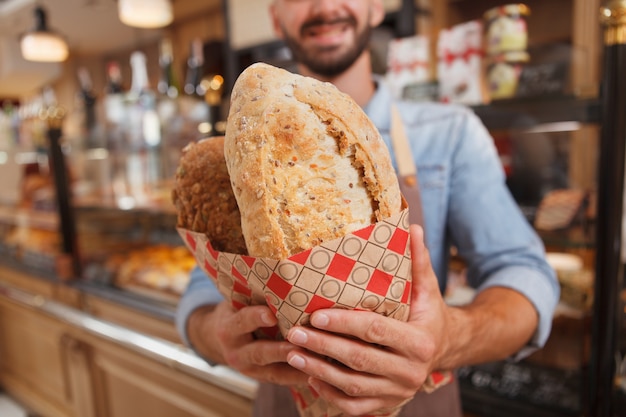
(407, 63)
(460, 64)
(506, 28)
(503, 74)
(559, 209)
(575, 280)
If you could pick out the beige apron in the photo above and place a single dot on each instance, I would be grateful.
(276, 401)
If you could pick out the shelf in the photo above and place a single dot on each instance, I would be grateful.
(48, 220)
(156, 209)
(528, 113)
(154, 307)
(40, 266)
(522, 389)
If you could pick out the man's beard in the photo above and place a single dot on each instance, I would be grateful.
(333, 65)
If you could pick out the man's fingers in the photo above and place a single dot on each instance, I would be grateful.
(250, 319)
(264, 352)
(424, 279)
(349, 378)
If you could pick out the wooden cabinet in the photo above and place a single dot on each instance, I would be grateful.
(62, 362)
(128, 384)
(32, 366)
(131, 318)
(109, 381)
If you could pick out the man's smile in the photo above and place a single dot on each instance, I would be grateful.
(327, 33)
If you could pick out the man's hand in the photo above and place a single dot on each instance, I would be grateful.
(383, 362)
(226, 336)
(380, 362)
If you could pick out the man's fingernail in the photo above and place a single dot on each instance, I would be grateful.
(315, 385)
(296, 361)
(298, 337)
(320, 320)
(267, 319)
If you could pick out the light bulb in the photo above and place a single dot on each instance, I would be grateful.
(145, 13)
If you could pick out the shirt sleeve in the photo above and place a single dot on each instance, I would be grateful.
(200, 291)
(491, 234)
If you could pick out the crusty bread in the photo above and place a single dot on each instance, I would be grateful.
(203, 196)
(306, 163)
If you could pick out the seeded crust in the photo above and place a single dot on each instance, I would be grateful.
(203, 196)
(306, 163)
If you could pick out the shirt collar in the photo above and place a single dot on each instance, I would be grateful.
(379, 107)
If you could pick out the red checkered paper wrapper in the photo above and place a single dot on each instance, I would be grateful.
(369, 269)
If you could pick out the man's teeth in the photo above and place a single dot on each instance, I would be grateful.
(327, 31)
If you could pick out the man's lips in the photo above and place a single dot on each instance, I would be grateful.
(326, 29)
(326, 32)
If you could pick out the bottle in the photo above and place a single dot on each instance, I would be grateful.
(116, 122)
(167, 87)
(113, 96)
(143, 167)
(114, 78)
(195, 64)
(168, 84)
(169, 110)
(143, 102)
(194, 111)
(88, 102)
(139, 74)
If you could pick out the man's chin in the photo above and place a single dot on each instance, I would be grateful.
(327, 68)
(325, 61)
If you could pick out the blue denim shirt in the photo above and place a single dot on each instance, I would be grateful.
(466, 204)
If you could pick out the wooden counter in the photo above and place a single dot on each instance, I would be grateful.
(68, 353)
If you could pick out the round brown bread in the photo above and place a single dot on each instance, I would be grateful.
(306, 163)
(203, 196)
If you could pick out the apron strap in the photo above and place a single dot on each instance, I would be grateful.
(407, 172)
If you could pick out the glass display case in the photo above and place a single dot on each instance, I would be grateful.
(30, 222)
(125, 221)
(92, 205)
(576, 205)
(549, 151)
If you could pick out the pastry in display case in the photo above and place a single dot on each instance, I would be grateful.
(29, 225)
(134, 251)
(158, 271)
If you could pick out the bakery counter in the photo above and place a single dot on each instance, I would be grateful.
(144, 304)
(77, 349)
(39, 274)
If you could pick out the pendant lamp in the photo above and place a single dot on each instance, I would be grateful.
(145, 14)
(42, 44)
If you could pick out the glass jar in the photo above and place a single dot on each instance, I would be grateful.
(506, 28)
(503, 73)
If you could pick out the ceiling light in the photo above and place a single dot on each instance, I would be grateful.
(42, 44)
(145, 13)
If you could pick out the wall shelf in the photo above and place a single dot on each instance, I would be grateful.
(526, 113)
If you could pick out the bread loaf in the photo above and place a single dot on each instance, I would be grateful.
(306, 163)
(203, 196)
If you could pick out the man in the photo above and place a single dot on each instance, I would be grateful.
(465, 203)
